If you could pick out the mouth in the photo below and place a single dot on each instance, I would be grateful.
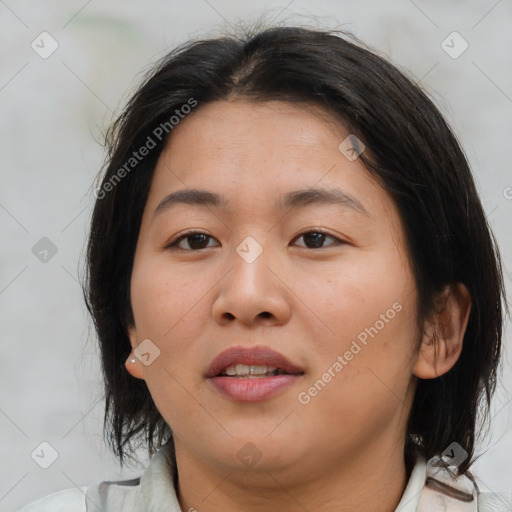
(246, 371)
(254, 362)
(251, 374)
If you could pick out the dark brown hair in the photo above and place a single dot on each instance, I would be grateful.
(414, 156)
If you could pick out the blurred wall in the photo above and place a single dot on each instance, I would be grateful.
(65, 68)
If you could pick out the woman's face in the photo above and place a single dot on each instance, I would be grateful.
(325, 283)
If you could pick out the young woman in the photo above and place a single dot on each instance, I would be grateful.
(297, 296)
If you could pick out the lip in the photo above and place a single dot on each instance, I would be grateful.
(252, 390)
(257, 355)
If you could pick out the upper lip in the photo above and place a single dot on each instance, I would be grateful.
(257, 355)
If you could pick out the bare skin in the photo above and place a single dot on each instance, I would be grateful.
(343, 449)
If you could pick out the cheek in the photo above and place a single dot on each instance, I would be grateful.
(358, 389)
(167, 310)
(353, 410)
(166, 301)
(351, 294)
(368, 311)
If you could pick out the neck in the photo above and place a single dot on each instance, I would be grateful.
(373, 481)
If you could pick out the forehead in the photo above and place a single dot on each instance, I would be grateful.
(257, 129)
(252, 153)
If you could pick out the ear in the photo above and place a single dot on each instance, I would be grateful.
(135, 369)
(443, 335)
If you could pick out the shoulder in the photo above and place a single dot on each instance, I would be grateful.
(108, 496)
(67, 500)
(495, 502)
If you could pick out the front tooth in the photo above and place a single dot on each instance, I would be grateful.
(242, 369)
(258, 370)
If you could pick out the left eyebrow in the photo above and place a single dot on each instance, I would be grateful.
(293, 199)
(308, 196)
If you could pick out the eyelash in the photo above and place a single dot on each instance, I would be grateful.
(173, 245)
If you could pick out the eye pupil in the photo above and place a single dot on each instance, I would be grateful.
(197, 241)
(317, 238)
(193, 239)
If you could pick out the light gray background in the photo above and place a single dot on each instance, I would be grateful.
(53, 109)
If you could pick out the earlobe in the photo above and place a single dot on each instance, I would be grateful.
(134, 367)
(132, 364)
(442, 341)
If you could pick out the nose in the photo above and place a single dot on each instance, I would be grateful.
(253, 292)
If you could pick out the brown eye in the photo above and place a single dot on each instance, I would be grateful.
(316, 239)
(195, 241)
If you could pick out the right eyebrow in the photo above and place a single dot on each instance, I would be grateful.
(191, 197)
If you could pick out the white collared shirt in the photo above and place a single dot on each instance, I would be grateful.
(430, 489)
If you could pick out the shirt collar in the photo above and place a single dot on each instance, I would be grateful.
(412, 493)
(157, 490)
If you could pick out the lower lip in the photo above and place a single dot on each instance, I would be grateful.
(252, 390)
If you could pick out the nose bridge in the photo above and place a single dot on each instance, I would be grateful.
(251, 286)
(250, 249)
(251, 261)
